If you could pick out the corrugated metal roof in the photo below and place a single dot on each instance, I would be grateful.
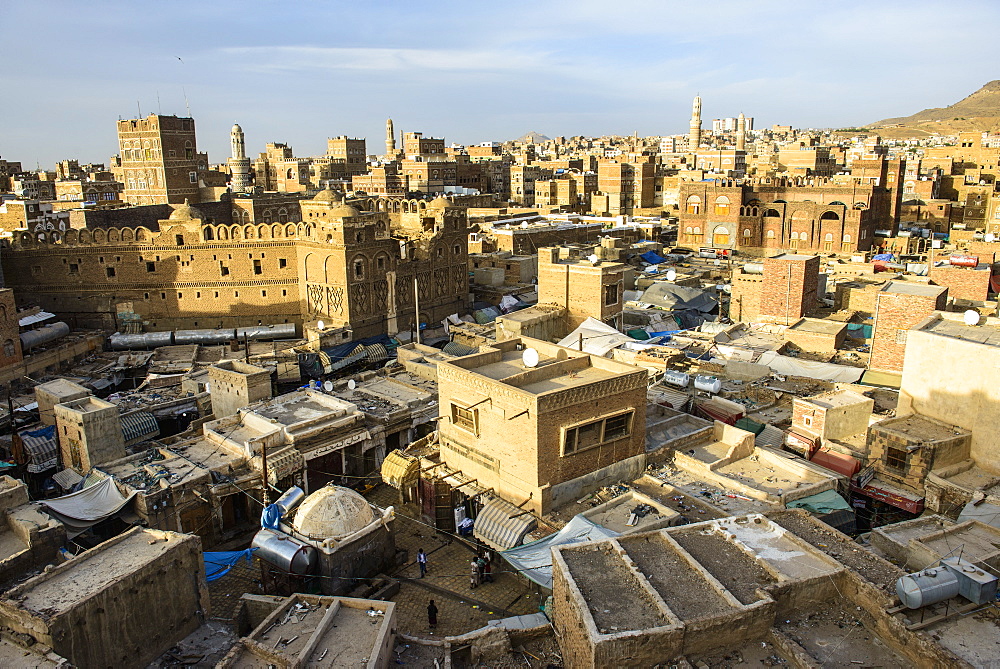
(502, 525)
(43, 448)
(40, 317)
(770, 436)
(139, 425)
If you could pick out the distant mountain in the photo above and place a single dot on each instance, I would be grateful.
(977, 112)
(532, 138)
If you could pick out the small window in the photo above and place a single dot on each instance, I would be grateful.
(145, 296)
(36, 270)
(150, 266)
(359, 269)
(467, 419)
(380, 262)
(282, 263)
(257, 268)
(111, 274)
(616, 427)
(179, 239)
(895, 458)
(163, 296)
(611, 294)
(807, 421)
(216, 294)
(263, 293)
(284, 293)
(74, 268)
(180, 296)
(223, 270)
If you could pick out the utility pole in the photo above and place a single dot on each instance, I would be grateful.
(266, 498)
(416, 304)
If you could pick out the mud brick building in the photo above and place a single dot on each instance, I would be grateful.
(783, 293)
(898, 307)
(567, 278)
(964, 283)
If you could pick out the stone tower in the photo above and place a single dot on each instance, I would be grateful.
(390, 139)
(239, 164)
(741, 133)
(694, 137)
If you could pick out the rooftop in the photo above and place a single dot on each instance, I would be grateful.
(913, 288)
(302, 406)
(839, 398)
(920, 428)
(818, 326)
(988, 333)
(792, 256)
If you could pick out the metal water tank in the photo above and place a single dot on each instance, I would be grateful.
(290, 499)
(709, 384)
(284, 552)
(753, 268)
(267, 332)
(203, 336)
(675, 378)
(43, 335)
(125, 342)
(963, 260)
(926, 587)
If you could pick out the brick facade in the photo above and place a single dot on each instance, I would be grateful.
(898, 307)
(964, 283)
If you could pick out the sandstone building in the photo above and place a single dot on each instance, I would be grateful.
(159, 160)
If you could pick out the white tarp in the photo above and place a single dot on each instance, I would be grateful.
(534, 560)
(823, 371)
(598, 338)
(78, 511)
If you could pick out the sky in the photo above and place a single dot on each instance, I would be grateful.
(299, 72)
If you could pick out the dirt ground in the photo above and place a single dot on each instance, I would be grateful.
(736, 570)
(683, 589)
(875, 570)
(750, 654)
(837, 636)
(616, 599)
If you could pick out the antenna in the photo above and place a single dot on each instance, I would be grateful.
(186, 105)
(138, 108)
(530, 357)
(159, 107)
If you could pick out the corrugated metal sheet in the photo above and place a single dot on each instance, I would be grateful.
(43, 448)
(399, 469)
(139, 425)
(770, 436)
(40, 317)
(501, 525)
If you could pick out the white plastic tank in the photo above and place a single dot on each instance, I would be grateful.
(709, 384)
(926, 587)
(753, 268)
(675, 378)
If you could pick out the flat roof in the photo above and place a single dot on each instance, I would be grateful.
(840, 398)
(818, 326)
(298, 408)
(94, 570)
(511, 364)
(909, 288)
(921, 428)
(982, 334)
(791, 256)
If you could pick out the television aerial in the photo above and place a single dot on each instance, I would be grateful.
(530, 357)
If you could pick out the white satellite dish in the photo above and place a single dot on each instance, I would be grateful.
(320, 324)
(530, 357)
(990, 237)
(671, 275)
(593, 259)
(351, 385)
(524, 226)
(208, 387)
(328, 386)
(971, 317)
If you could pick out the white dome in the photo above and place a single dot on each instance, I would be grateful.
(333, 512)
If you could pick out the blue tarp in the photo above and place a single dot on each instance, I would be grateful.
(270, 517)
(534, 560)
(652, 258)
(887, 257)
(218, 564)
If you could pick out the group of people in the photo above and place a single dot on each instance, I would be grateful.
(482, 571)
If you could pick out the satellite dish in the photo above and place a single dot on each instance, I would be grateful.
(671, 275)
(328, 386)
(208, 387)
(524, 226)
(530, 357)
(320, 324)
(990, 237)
(971, 317)
(351, 385)
(593, 259)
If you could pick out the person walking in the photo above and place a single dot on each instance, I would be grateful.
(432, 614)
(480, 567)
(422, 562)
(474, 577)
(487, 568)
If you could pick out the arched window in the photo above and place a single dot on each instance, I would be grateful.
(847, 239)
(746, 233)
(694, 204)
(770, 234)
(795, 236)
(697, 229)
(828, 237)
(829, 216)
(720, 236)
(722, 205)
(772, 213)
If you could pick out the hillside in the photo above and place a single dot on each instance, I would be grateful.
(978, 112)
(532, 137)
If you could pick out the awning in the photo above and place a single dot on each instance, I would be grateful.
(43, 448)
(823, 371)
(827, 501)
(66, 479)
(81, 510)
(40, 317)
(534, 560)
(891, 495)
(399, 470)
(598, 338)
(501, 525)
(770, 436)
(139, 425)
(886, 379)
(837, 462)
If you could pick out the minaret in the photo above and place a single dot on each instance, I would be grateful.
(741, 133)
(694, 137)
(239, 164)
(390, 139)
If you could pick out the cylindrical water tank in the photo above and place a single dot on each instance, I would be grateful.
(709, 384)
(963, 260)
(284, 552)
(267, 332)
(123, 342)
(290, 499)
(203, 336)
(926, 587)
(753, 268)
(675, 378)
(43, 335)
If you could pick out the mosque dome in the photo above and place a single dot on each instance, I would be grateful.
(237, 128)
(345, 211)
(185, 212)
(333, 512)
(329, 196)
(440, 202)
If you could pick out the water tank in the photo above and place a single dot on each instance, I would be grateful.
(926, 587)
(709, 384)
(290, 499)
(753, 268)
(964, 260)
(203, 336)
(284, 552)
(124, 342)
(43, 335)
(267, 332)
(675, 378)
